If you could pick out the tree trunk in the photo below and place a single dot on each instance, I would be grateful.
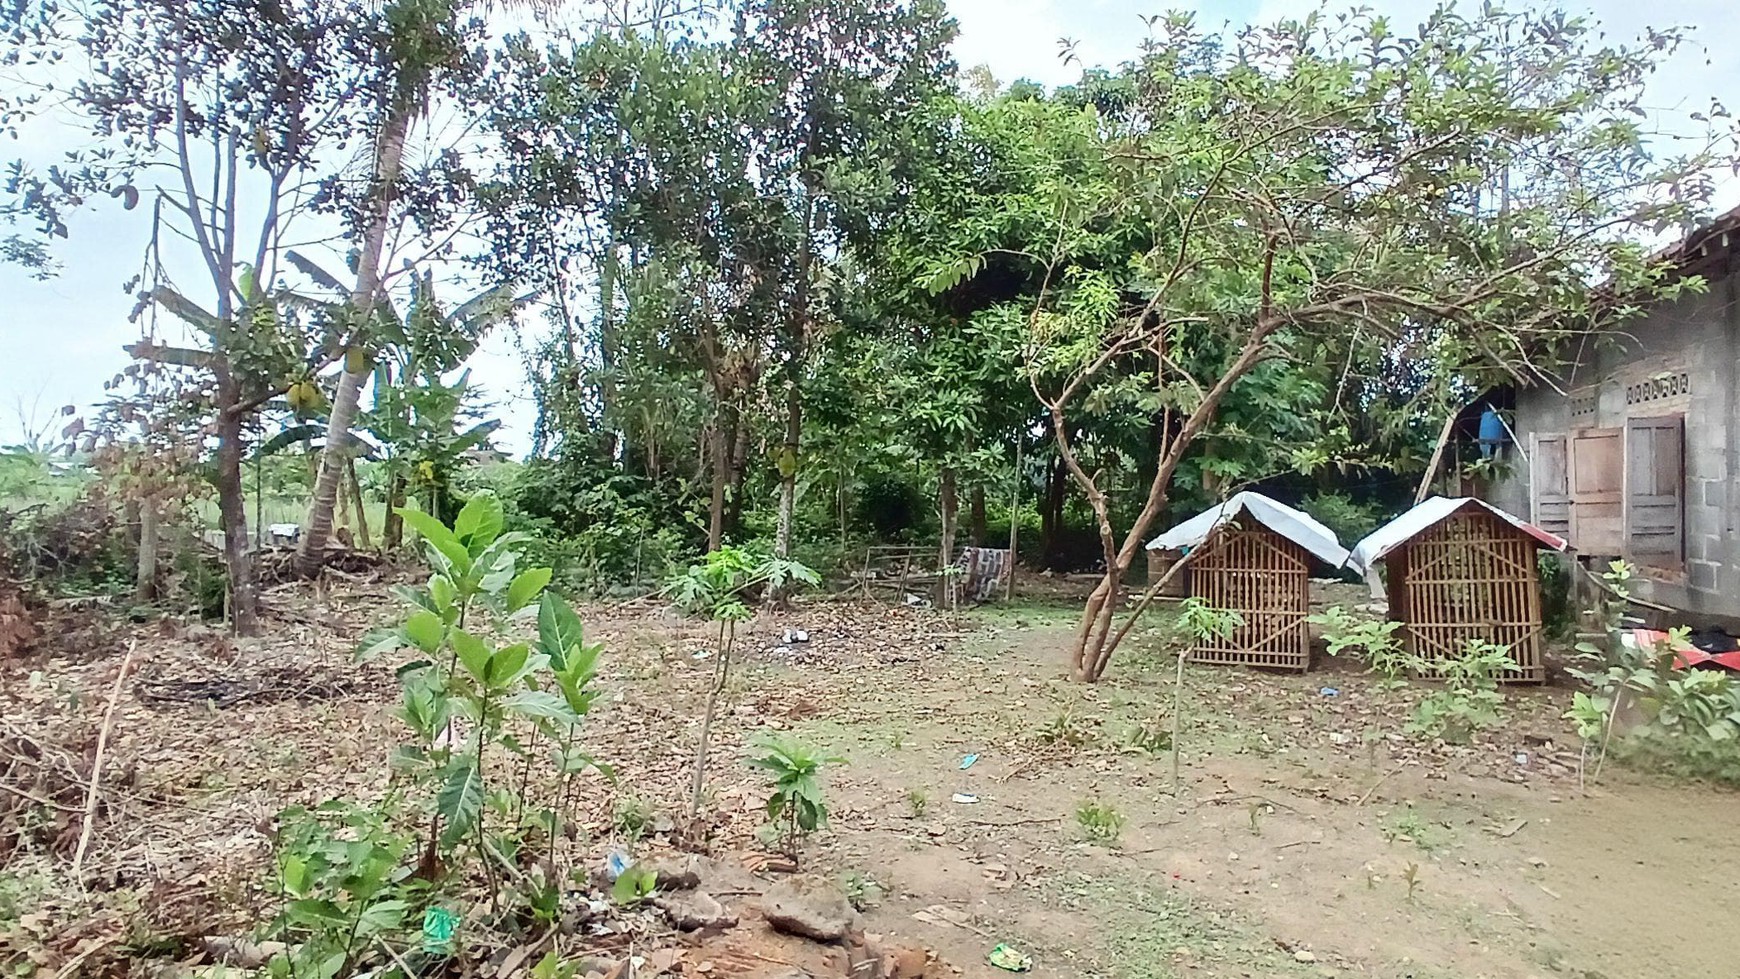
(976, 505)
(948, 500)
(233, 512)
(389, 156)
(392, 525)
(1051, 514)
(721, 453)
(739, 474)
(356, 500)
(788, 466)
(145, 578)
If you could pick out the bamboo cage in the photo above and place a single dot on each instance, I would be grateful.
(1469, 576)
(1265, 578)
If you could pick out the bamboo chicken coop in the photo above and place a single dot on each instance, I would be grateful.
(1253, 557)
(1460, 569)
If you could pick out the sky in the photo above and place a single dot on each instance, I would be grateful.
(61, 339)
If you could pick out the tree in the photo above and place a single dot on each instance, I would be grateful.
(1455, 195)
(240, 110)
(422, 43)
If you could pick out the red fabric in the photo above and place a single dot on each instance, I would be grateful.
(1686, 655)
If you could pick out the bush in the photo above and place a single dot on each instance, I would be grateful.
(1557, 615)
(598, 526)
(1350, 520)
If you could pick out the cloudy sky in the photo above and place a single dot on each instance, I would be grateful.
(60, 339)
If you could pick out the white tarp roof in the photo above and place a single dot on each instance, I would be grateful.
(1405, 527)
(1292, 524)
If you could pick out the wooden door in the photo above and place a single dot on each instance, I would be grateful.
(1596, 477)
(1550, 485)
(1655, 483)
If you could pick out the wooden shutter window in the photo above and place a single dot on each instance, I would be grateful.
(1550, 485)
(1597, 483)
(1655, 483)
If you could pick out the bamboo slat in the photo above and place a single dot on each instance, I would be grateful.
(1265, 578)
(1471, 576)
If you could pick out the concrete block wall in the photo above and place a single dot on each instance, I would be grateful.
(1697, 338)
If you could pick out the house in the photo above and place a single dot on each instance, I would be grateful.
(1637, 456)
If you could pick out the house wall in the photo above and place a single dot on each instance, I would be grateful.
(1695, 342)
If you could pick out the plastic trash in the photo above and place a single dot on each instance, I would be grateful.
(965, 798)
(967, 762)
(617, 862)
(1330, 692)
(1009, 960)
(795, 636)
(439, 924)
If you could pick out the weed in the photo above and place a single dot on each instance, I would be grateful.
(795, 808)
(1373, 641)
(631, 818)
(1469, 700)
(1151, 739)
(1203, 621)
(1412, 877)
(917, 802)
(1068, 730)
(862, 891)
(1099, 821)
(1408, 826)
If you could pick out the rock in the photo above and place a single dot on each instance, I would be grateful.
(905, 963)
(664, 824)
(677, 871)
(694, 910)
(1304, 955)
(815, 911)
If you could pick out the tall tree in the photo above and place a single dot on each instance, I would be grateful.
(1327, 177)
(422, 43)
(217, 114)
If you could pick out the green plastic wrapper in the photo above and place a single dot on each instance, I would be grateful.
(439, 925)
(1009, 960)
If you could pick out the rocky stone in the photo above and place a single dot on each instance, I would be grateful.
(817, 911)
(694, 910)
(678, 871)
(1304, 955)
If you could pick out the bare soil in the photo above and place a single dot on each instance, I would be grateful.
(1307, 836)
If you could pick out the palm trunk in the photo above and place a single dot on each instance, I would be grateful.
(389, 157)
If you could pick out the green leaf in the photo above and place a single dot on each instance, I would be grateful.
(559, 629)
(514, 663)
(382, 916)
(311, 913)
(636, 884)
(526, 586)
(438, 536)
(479, 523)
(460, 801)
(541, 704)
(378, 642)
(425, 630)
(474, 655)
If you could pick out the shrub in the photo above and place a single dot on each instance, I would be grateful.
(1350, 520)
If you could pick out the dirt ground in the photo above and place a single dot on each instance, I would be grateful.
(1306, 837)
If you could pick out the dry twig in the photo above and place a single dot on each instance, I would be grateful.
(97, 763)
